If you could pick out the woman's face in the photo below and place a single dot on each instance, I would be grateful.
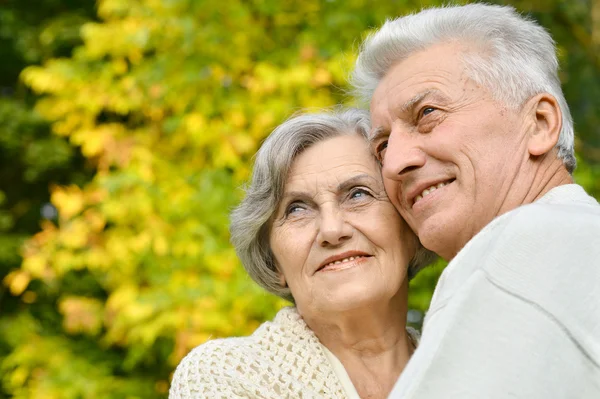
(338, 241)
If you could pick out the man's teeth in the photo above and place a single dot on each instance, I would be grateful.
(337, 262)
(428, 191)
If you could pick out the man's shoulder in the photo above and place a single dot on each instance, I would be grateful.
(544, 252)
(567, 213)
(561, 213)
(534, 248)
(543, 235)
(546, 255)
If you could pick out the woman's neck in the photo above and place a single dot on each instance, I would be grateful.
(371, 343)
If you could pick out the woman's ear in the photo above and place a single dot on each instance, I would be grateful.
(282, 281)
(547, 124)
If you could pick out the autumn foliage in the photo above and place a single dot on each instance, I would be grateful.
(167, 100)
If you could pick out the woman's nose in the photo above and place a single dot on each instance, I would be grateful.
(334, 229)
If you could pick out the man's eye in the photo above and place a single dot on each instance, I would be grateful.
(380, 150)
(426, 111)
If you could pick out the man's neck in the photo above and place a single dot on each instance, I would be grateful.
(544, 174)
(552, 176)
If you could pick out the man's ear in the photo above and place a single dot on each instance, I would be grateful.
(547, 123)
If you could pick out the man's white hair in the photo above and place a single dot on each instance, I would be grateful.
(514, 57)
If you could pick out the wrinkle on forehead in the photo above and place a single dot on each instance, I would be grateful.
(454, 95)
(320, 178)
(421, 68)
(327, 164)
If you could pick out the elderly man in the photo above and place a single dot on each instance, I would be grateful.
(475, 140)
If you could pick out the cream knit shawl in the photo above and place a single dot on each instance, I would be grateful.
(282, 359)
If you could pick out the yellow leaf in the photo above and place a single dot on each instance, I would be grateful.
(243, 143)
(17, 281)
(321, 77)
(195, 122)
(43, 80)
(35, 264)
(95, 220)
(160, 246)
(74, 234)
(135, 312)
(123, 295)
(81, 314)
(19, 376)
(238, 119)
(68, 200)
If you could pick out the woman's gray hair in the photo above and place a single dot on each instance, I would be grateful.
(250, 221)
(516, 58)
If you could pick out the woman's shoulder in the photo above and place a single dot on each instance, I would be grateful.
(261, 365)
(210, 370)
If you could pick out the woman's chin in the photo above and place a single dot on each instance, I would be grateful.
(344, 298)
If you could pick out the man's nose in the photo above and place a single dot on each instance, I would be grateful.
(403, 155)
(334, 229)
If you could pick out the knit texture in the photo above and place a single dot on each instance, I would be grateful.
(282, 359)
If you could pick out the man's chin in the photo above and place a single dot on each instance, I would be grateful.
(437, 239)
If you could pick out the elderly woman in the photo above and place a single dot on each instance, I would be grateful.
(316, 228)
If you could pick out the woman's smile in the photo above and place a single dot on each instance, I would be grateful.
(344, 264)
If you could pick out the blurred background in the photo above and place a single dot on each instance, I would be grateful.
(126, 130)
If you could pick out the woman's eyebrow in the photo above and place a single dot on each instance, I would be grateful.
(363, 178)
(349, 183)
(294, 194)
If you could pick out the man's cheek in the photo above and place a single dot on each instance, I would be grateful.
(391, 188)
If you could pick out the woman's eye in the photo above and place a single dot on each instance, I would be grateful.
(293, 208)
(360, 193)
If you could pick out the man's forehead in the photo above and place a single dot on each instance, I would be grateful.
(404, 78)
(392, 93)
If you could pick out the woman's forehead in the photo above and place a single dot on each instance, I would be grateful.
(331, 162)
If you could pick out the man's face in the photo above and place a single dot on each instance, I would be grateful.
(450, 154)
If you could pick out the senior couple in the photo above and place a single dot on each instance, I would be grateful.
(470, 140)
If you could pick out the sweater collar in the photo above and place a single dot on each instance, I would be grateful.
(567, 193)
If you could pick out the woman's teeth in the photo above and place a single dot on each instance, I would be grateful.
(337, 262)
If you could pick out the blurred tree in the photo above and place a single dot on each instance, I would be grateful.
(168, 100)
(30, 158)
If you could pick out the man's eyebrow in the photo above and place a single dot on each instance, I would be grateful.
(377, 133)
(380, 132)
(417, 98)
